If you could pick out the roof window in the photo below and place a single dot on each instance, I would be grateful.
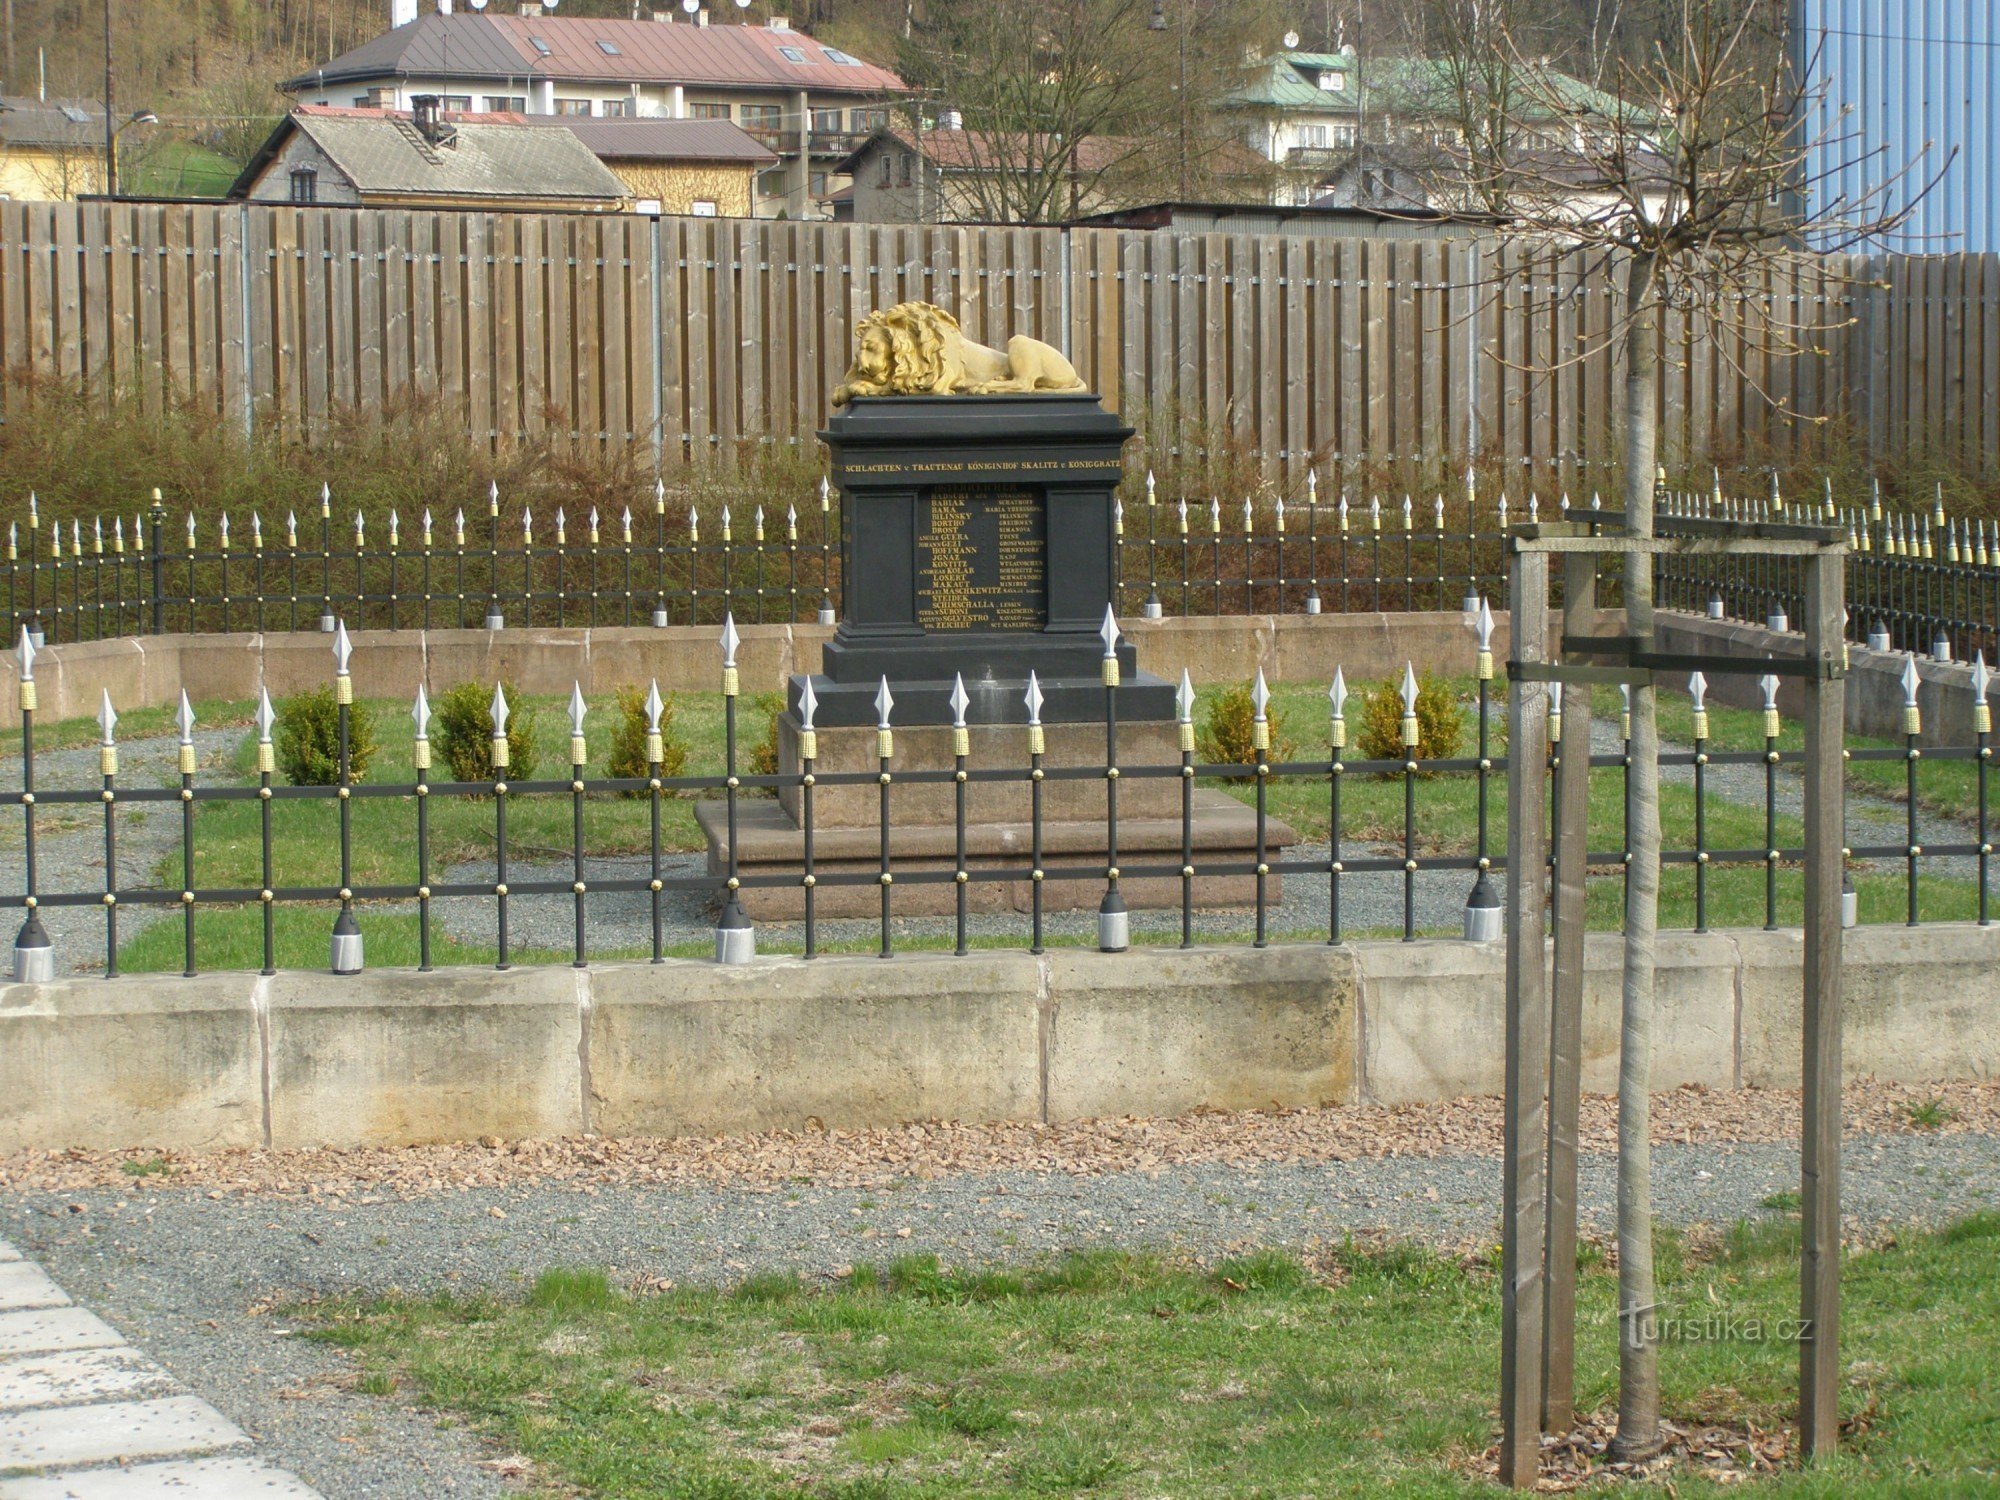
(75, 115)
(835, 55)
(792, 54)
(608, 48)
(539, 45)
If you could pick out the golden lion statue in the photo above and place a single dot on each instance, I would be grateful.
(915, 349)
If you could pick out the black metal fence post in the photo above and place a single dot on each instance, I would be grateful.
(156, 530)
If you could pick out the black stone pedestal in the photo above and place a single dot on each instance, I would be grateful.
(978, 540)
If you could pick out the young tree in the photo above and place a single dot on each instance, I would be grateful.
(1688, 173)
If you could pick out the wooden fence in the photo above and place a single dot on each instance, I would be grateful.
(690, 336)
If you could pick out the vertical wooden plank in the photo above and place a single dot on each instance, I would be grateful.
(1352, 272)
(1523, 1184)
(420, 249)
(152, 324)
(481, 336)
(559, 249)
(205, 321)
(255, 367)
(586, 334)
(1299, 387)
(509, 348)
(1566, 1010)
(1377, 256)
(15, 252)
(371, 279)
(123, 366)
(616, 285)
(67, 303)
(726, 236)
(698, 363)
(235, 284)
(286, 356)
(537, 332)
(1819, 1175)
(449, 296)
(315, 355)
(1241, 369)
(752, 283)
(1270, 376)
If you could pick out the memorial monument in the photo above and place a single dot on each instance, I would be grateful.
(978, 545)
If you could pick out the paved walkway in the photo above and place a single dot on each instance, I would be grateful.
(85, 1416)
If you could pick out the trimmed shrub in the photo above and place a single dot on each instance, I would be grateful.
(628, 739)
(306, 739)
(1225, 734)
(1440, 725)
(462, 732)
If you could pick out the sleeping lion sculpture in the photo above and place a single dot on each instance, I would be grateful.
(915, 349)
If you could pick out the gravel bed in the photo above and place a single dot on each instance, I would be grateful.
(69, 841)
(191, 1278)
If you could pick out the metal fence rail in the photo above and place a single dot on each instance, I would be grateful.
(1916, 580)
(1347, 853)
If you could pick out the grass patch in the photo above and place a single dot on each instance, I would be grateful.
(1362, 1371)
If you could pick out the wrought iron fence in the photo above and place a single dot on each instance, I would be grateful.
(1915, 580)
(1328, 867)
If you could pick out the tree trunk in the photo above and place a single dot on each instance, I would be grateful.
(1638, 1357)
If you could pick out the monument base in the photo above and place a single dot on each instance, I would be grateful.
(923, 859)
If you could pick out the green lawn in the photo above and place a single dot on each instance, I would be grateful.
(1354, 1372)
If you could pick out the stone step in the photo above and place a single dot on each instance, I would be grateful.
(79, 1377)
(49, 1330)
(197, 1479)
(24, 1284)
(115, 1432)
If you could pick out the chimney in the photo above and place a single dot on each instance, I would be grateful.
(779, 23)
(402, 12)
(701, 17)
(532, 9)
(664, 17)
(425, 115)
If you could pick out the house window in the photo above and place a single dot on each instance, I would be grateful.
(818, 184)
(305, 184)
(506, 104)
(826, 122)
(611, 109)
(363, 101)
(1313, 137)
(708, 111)
(888, 171)
(772, 183)
(1333, 82)
(867, 120)
(703, 208)
(572, 106)
(1343, 135)
(462, 103)
(763, 116)
(903, 171)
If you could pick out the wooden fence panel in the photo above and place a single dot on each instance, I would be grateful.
(692, 337)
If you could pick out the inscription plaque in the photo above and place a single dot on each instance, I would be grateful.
(982, 559)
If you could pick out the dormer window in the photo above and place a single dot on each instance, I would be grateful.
(1333, 81)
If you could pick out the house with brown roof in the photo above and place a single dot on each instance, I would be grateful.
(698, 168)
(376, 158)
(807, 103)
(948, 174)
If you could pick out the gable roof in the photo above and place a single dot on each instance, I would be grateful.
(382, 152)
(26, 121)
(502, 47)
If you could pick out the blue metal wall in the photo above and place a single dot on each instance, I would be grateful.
(1913, 71)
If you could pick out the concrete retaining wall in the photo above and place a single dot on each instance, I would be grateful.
(1874, 679)
(151, 671)
(394, 1057)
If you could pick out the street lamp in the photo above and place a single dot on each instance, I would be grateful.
(143, 117)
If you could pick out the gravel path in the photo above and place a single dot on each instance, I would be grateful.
(69, 841)
(191, 1277)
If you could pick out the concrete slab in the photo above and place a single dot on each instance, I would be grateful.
(23, 1284)
(51, 1330)
(199, 1479)
(115, 1432)
(81, 1375)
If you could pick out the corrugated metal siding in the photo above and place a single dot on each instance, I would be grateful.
(1913, 72)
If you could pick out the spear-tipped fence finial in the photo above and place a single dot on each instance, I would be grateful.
(1982, 711)
(1184, 712)
(579, 753)
(1411, 732)
(1913, 714)
(496, 711)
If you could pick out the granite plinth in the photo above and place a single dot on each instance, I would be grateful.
(923, 857)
